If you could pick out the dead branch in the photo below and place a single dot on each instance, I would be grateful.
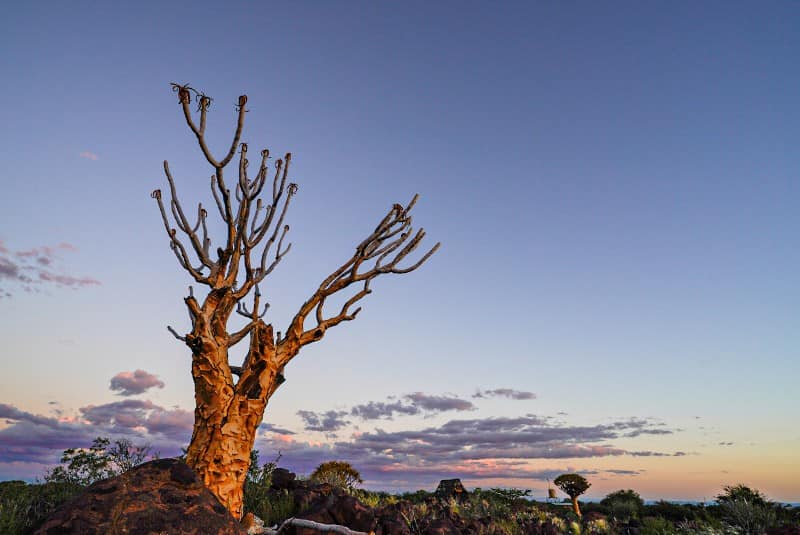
(310, 524)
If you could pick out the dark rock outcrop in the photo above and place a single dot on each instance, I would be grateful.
(451, 488)
(162, 496)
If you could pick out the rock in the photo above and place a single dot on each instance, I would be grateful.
(334, 506)
(161, 496)
(283, 479)
(451, 488)
(442, 526)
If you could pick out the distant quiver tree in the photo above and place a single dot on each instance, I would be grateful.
(573, 486)
(230, 399)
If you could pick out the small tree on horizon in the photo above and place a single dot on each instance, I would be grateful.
(573, 485)
(228, 409)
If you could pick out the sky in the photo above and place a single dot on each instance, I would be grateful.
(615, 188)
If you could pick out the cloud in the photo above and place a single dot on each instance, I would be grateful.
(269, 428)
(325, 422)
(40, 440)
(474, 449)
(375, 410)
(431, 403)
(89, 155)
(505, 392)
(11, 271)
(133, 383)
(127, 414)
(31, 268)
(410, 405)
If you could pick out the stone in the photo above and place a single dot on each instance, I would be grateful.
(158, 497)
(451, 488)
(283, 479)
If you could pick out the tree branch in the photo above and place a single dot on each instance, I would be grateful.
(310, 524)
(386, 254)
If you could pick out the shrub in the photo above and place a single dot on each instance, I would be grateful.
(623, 505)
(25, 507)
(256, 487)
(739, 492)
(337, 473)
(748, 517)
(657, 526)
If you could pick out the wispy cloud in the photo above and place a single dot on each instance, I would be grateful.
(269, 428)
(134, 383)
(89, 155)
(34, 268)
(504, 392)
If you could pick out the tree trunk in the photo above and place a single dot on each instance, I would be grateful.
(227, 416)
(576, 507)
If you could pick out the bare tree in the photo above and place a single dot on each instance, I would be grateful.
(228, 411)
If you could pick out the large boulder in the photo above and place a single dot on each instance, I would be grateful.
(162, 496)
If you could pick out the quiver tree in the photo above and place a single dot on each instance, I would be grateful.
(573, 486)
(230, 399)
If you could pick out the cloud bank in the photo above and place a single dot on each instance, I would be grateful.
(474, 449)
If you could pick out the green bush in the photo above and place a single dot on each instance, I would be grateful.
(657, 526)
(338, 474)
(23, 507)
(270, 506)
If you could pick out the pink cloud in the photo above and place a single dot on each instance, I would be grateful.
(89, 155)
(133, 383)
(68, 280)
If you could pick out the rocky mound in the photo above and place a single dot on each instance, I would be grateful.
(162, 496)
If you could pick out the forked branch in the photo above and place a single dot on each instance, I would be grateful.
(251, 222)
(380, 253)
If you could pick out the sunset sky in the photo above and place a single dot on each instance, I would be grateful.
(615, 186)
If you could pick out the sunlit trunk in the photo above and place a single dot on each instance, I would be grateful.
(227, 416)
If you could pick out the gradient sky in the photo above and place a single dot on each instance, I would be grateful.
(615, 186)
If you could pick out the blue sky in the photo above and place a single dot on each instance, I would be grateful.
(615, 188)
